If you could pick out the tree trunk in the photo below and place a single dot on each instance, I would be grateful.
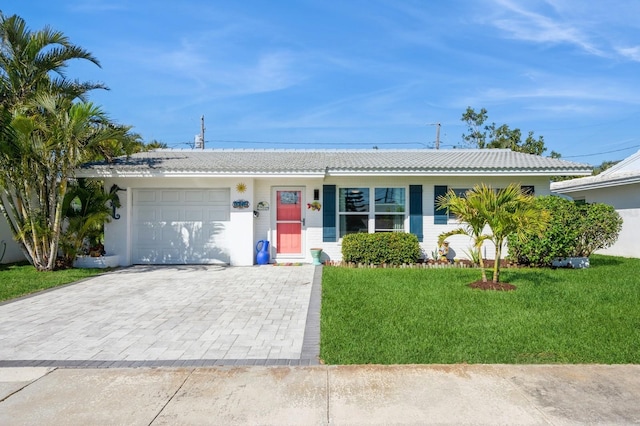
(496, 263)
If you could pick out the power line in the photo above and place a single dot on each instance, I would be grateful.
(600, 153)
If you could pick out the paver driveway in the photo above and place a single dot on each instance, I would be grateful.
(164, 314)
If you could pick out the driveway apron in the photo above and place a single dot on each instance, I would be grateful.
(184, 315)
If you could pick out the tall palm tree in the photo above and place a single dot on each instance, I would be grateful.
(35, 62)
(36, 165)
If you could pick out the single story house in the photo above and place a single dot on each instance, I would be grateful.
(214, 206)
(618, 186)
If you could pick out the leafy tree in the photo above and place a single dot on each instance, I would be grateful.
(604, 166)
(600, 227)
(559, 238)
(573, 231)
(467, 210)
(483, 135)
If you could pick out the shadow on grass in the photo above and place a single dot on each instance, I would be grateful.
(602, 260)
(537, 277)
(7, 266)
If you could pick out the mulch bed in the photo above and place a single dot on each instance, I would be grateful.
(490, 285)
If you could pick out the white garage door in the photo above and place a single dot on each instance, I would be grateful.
(180, 226)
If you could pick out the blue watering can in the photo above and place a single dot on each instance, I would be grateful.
(262, 248)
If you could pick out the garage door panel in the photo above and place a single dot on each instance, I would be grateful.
(172, 196)
(194, 196)
(144, 196)
(170, 214)
(147, 214)
(193, 214)
(167, 231)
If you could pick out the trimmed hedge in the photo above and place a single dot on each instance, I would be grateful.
(393, 248)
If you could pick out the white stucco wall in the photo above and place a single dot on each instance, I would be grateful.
(245, 229)
(11, 249)
(118, 233)
(431, 231)
(626, 200)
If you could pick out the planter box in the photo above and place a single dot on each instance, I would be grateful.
(571, 262)
(97, 262)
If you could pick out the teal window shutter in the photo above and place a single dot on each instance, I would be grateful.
(329, 213)
(415, 211)
(440, 216)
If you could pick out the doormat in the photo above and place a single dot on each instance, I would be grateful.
(289, 264)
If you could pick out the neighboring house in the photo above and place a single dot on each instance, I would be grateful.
(213, 206)
(618, 186)
(9, 250)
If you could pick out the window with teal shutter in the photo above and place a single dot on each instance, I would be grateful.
(329, 213)
(440, 216)
(415, 211)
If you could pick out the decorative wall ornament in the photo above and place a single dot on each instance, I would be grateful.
(241, 187)
(263, 206)
(240, 204)
(314, 205)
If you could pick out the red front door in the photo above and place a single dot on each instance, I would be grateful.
(289, 222)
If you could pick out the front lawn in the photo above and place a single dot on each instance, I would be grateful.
(428, 316)
(18, 280)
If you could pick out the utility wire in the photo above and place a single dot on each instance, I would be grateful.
(600, 153)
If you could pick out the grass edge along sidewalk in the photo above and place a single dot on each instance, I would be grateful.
(19, 279)
(427, 316)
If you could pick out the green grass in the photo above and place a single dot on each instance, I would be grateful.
(18, 279)
(424, 316)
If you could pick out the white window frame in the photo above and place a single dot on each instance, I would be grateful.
(371, 213)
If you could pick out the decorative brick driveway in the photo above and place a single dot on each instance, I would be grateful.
(184, 315)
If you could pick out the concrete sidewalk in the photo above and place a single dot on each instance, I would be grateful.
(322, 395)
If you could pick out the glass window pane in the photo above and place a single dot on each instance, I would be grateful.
(351, 224)
(354, 199)
(390, 200)
(389, 222)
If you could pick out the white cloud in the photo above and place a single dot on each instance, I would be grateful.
(632, 53)
(529, 25)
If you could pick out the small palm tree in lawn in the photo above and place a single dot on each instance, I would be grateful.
(466, 209)
(504, 212)
(508, 211)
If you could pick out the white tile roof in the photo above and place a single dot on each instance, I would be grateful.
(626, 172)
(327, 163)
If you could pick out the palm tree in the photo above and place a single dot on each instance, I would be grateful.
(505, 212)
(45, 133)
(85, 209)
(508, 211)
(36, 164)
(466, 209)
(34, 62)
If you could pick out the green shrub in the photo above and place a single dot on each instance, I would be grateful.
(573, 231)
(393, 248)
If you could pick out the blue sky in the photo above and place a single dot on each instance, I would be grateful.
(357, 74)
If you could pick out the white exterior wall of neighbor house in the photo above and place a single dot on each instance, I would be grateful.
(118, 233)
(431, 231)
(8, 245)
(626, 200)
